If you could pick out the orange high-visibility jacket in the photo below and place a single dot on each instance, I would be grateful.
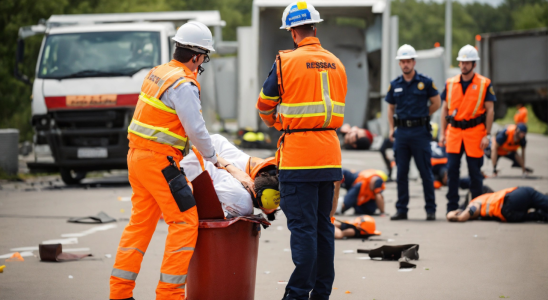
(254, 166)
(156, 126)
(521, 116)
(510, 145)
(468, 106)
(312, 87)
(491, 203)
(366, 194)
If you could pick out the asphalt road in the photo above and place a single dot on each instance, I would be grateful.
(473, 260)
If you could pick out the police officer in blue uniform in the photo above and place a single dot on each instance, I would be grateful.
(412, 98)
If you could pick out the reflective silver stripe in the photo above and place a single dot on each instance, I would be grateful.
(157, 134)
(302, 110)
(129, 249)
(482, 87)
(487, 208)
(124, 274)
(175, 279)
(267, 112)
(338, 109)
(326, 98)
(184, 249)
(182, 286)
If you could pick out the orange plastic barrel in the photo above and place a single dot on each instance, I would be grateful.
(224, 263)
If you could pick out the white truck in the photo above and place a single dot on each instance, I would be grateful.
(88, 79)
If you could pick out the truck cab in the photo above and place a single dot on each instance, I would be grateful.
(88, 80)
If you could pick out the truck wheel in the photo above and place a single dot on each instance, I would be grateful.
(500, 110)
(541, 110)
(72, 177)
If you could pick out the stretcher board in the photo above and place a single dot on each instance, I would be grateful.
(207, 202)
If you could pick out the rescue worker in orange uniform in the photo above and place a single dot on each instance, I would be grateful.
(508, 205)
(468, 114)
(364, 191)
(506, 144)
(167, 115)
(360, 227)
(309, 85)
(521, 114)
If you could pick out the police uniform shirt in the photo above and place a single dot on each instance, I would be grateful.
(502, 136)
(489, 96)
(411, 98)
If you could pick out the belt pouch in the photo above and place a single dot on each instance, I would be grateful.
(179, 188)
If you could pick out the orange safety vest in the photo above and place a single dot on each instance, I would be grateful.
(156, 126)
(254, 165)
(510, 145)
(312, 86)
(438, 161)
(491, 203)
(366, 194)
(521, 116)
(468, 106)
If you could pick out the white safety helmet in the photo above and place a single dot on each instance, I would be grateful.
(194, 36)
(468, 53)
(406, 52)
(299, 13)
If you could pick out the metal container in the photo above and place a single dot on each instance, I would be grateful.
(9, 147)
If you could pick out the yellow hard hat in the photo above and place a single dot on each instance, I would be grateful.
(253, 137)
(269, 198)
(435, 129)
(382, 175)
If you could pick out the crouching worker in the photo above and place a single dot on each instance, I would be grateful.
(508, 205)
(242, 182)
(364, 191)
(506, 143)
(361, 227)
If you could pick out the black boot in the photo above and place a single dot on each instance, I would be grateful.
(430, 216)
(399, 216)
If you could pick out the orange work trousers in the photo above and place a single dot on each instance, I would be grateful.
(152, 197)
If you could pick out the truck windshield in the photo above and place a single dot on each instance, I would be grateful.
(99, 54)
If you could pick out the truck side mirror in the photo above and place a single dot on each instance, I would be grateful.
(19, 55)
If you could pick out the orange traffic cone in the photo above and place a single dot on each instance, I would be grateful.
(15, 257)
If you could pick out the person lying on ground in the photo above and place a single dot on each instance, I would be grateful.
(508, 205)
(242, 183)
(356, 138)
(360, 227)
(506, 144)
(364, 191)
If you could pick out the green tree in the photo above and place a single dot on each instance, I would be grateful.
(531, 16)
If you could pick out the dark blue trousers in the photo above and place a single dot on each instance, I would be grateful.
(518, 202)
(453, 175)
(307, 206)
(414, 142)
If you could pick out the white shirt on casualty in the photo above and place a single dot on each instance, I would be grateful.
(234, 198)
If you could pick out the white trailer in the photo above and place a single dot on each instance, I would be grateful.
(352, 30)
(88, 77)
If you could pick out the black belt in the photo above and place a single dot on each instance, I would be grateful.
(411, 122)
(465, 124)
(290, 131)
